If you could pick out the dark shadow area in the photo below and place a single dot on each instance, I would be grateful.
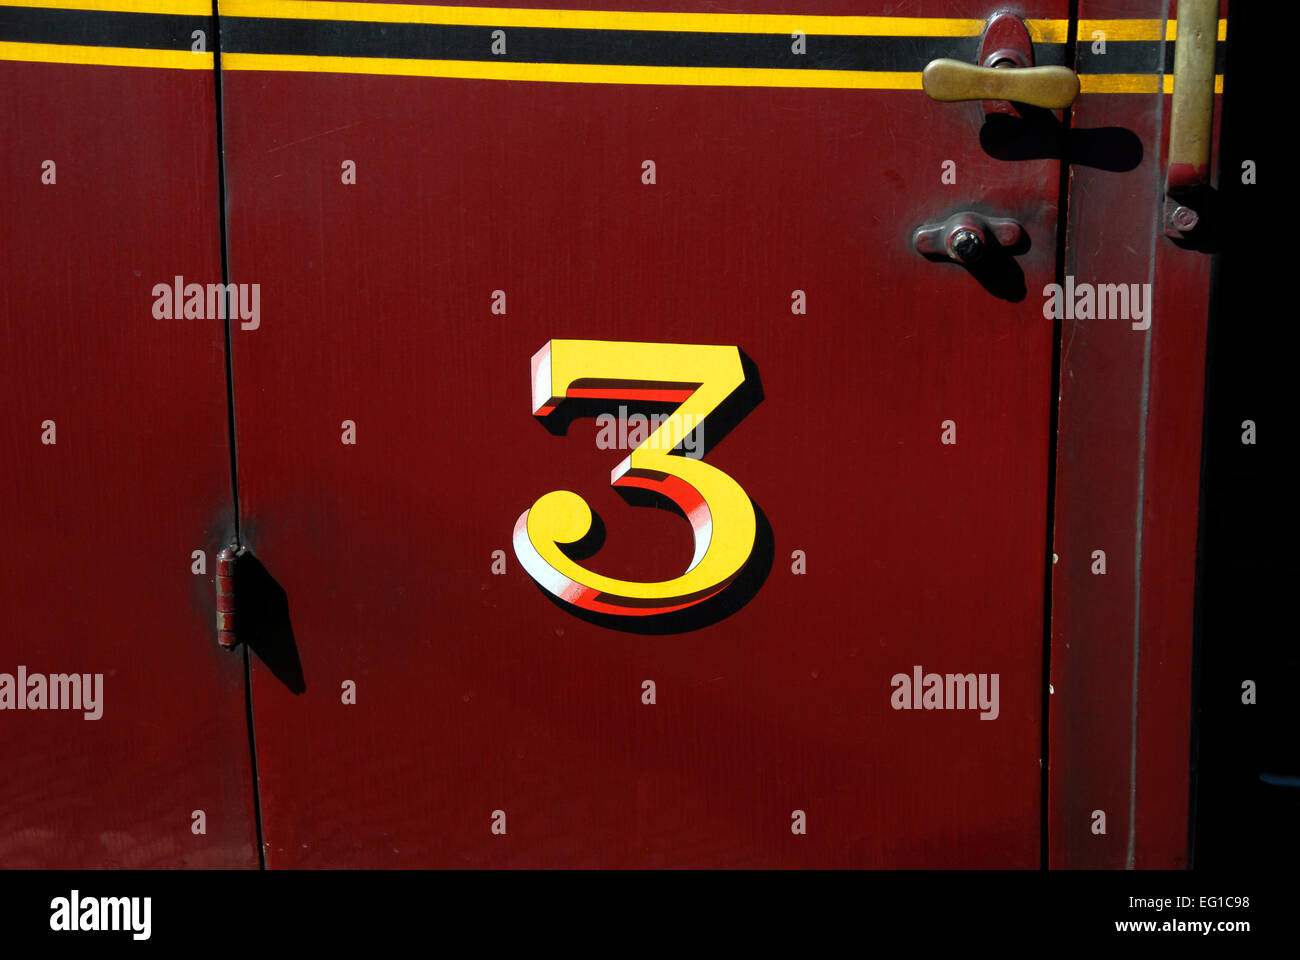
(1246, 767)
(717, 608)
(1037, 134)
(1116, 149)
(736, 407)
(589, 545)
(262, 621)
(573, 409)
(997, 270)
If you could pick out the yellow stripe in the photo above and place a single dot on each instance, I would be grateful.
(666, 76)
(1136, 29)
(543, 72)
(606, 19)
(106, 56)
(1119, 83)
(1133, 83)
(197, 8)
(1047, 31)
(579, 72)
(1122, 29)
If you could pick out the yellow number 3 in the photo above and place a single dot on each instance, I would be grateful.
(698, 378)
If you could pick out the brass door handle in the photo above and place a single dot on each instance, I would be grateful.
(1004, 74)
(950, 81)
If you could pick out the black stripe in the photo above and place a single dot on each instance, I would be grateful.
(418, 41)
(1135, 56)
(157, 31)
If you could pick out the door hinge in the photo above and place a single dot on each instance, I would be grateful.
(226, 560)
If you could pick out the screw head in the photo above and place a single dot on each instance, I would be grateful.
(965, 245)
(1184, 218)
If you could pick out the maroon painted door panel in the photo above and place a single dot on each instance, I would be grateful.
(1129, 455)
(477, 700)
(116, 470)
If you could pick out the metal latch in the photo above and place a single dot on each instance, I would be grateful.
(966, 237)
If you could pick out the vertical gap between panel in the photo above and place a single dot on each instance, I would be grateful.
(230, 403)
(1062, 239)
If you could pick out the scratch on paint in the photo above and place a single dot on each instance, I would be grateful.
(314, 136)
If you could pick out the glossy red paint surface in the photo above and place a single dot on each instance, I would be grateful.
(101, 524)
(474, 693)
(1128, 473)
